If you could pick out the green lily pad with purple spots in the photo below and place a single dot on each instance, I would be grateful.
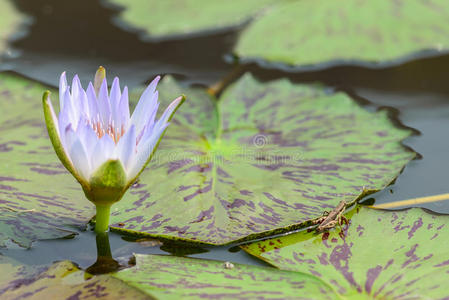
(171, 277)
(175, 18)
(39, 199)
(319, 33)
(264, 158)
(62, 280)
(380, 255)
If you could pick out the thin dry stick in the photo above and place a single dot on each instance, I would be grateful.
(17, 210)
(413, 201)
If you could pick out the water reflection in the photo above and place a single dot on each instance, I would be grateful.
(182, 249)
(105, 263)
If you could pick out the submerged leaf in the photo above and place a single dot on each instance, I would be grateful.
(265, 158)
(381, 255)
(311, 32)
(39, 199)
(168, 18)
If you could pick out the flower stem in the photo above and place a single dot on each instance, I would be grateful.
(103, 246)
(102, 218)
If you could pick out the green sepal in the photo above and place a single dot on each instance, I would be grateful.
(183, 98)
(108, 184)
(50, 121)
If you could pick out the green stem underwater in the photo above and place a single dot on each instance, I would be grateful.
(102, 218)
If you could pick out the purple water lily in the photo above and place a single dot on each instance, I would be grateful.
(99, 142)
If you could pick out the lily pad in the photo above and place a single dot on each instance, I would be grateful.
(310, 32)
(171, 277)
(168, 18)
(265, 158)
(381, 255)
(62, 280)
(10, 22)
(39, 199)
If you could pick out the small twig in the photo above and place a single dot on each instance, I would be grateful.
(413, 201)
(17, 210)
(218, 86)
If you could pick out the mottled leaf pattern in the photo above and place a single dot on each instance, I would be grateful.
(311, 32)
(10, 22)
(171, 277)
(168, 18)
(381, 255)
(39, 199)
(63, 280)
(264, 158)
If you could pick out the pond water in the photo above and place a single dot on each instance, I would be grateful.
(78, 36)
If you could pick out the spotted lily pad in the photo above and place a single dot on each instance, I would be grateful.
(39, 199)
(62, 280)
(264, 158)
(171, 277)
(168, 18)
(315, 32)
(10, 22)
(381, 255)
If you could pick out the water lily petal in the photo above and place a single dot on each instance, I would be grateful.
(114, 99)
(148, 128)
(79, 158)
(169, 111)
(126, 147)
(88, 137)
(152, 113)
(62, 88)
(83, 102)
(92, 101)
(76, 87)
(63, 122)
(67, 114)
(144, 150)
(151, 138)
(104, 106)
(103, 151)
(115, 94)
(69, 137)
(145, 106)
(123, 110)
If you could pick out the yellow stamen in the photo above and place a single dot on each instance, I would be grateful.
(111, 130)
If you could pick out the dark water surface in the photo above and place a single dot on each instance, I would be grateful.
(78, 36)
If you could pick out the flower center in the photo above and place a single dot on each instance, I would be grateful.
(114, 132)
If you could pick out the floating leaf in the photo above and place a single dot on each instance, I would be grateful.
(311, 32)
(264, 159)
(14, 274)
(168, 18)
(381, 255)
(38, 198)
(10, 21)
(158, 277)
(171, 277)
(62, 280)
